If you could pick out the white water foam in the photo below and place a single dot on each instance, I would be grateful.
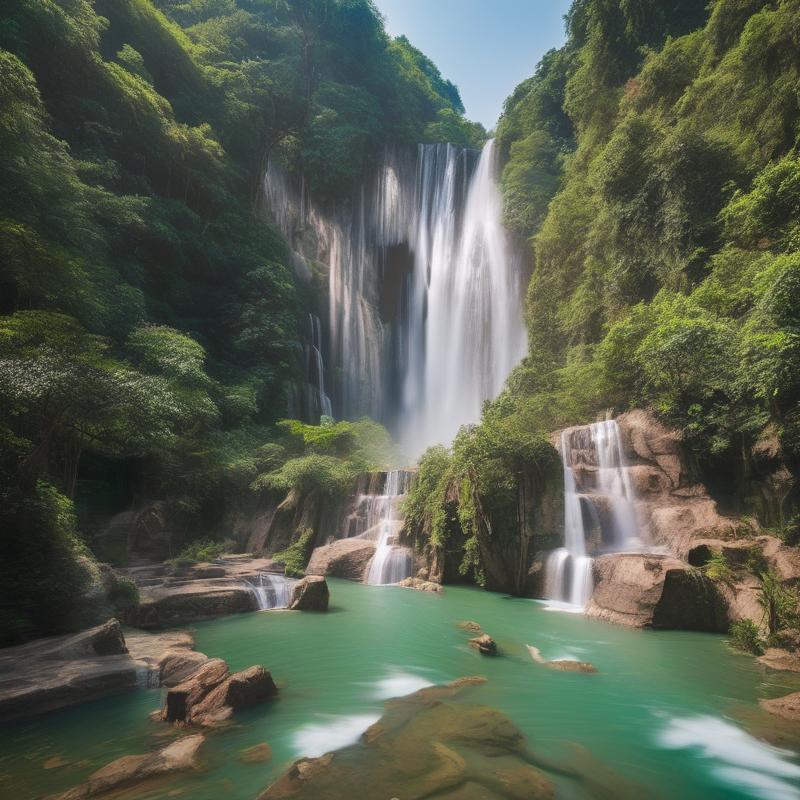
(399, 683)
(738, 759)
(331, 733)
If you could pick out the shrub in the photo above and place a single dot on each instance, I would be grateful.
(779, 603)
(745, 636)
(717, 567)
(201, 550)
(295, 556)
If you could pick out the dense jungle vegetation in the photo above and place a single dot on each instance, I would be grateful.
(149, 322)
(651, 170)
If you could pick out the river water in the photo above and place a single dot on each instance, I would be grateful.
(669, 711)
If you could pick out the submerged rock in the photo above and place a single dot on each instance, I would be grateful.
(130, 771)
(422, 749)
(562, 665)
(257, 754)
(343, 558)
(310, 594)
(426, 746)
(648, 590)
(420, 585)
(472, 627)
(787, 706)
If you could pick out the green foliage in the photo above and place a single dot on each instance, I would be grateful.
(295, 557)
(745, 635)
(424, 506)
(199, 551)
(480, 488)
(659, 189)
(326, 458)
(717, 567)
(778, 602)
(148, 314)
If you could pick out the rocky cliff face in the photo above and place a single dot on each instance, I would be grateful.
(678, 518)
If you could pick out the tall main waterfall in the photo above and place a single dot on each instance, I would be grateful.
(599, 515)
(424, 289)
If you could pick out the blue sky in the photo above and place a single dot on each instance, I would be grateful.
(486, 47)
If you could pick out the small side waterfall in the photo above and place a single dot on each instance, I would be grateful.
(390, 564)
(599, 515)
(271, 590)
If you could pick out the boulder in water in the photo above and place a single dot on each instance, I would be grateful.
(485, 644)
(211, 694)
(241, 690)
(310, 594)
(129, 772)
(343, 558)
(658, 591)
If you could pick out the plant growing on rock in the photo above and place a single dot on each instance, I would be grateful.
(717, 567)
(295, 557)
(779, 603)
(745, 635)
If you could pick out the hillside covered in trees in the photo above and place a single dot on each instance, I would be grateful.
(651, 174)
(150, 327)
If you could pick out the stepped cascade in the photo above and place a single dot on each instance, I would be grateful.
(383, 521)
(424, 313)
(599, 513)
(271, 590)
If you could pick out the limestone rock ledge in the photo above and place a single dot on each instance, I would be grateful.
(64, 670)
(61, 671)
(658, 591)
(168, 606)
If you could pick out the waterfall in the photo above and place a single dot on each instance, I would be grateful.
(318, 403)
(424, 288)
(465, 331)
(599, 514)
(390, 564)
(271, 590)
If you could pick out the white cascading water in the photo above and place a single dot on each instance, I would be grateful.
(319, 404)
(271, 591)
(390, 564)
(465, 331)
(455, 329)
(596, 483)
